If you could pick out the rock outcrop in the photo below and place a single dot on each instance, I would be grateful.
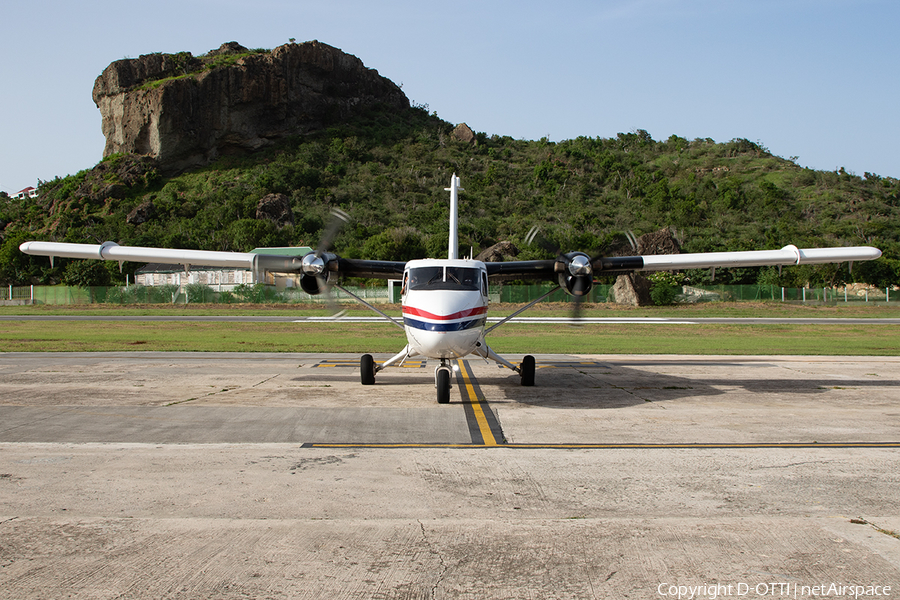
(499, 252)
(464, 133)
(141, 213)
(185, 111)
(634, 289)
(275, 208)
(658, 243)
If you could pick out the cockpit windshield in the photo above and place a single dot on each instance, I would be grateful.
(444, 278)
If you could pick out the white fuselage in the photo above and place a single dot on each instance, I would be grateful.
(444, 306)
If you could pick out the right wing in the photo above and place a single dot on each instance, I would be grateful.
(313, 264)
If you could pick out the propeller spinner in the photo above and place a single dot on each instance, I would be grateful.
(313, 265)
(315, 277)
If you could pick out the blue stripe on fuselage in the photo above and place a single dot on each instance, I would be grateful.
(426, 326)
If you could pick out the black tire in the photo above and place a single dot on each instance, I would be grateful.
(443, 386)
(527, 370)
(367, 369)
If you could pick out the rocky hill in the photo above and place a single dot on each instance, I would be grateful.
(186, 111)
(288, 134)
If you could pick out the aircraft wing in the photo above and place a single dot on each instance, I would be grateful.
(789, 255)
(614, 265)
(531, 269)
(258, 262)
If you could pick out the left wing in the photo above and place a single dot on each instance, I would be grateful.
(575, 270)
(789, 255)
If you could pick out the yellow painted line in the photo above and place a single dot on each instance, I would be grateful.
(483, 425)
(625, 446)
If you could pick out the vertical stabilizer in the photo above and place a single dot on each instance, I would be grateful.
(454, 189)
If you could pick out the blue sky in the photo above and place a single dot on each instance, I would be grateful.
(816, 79)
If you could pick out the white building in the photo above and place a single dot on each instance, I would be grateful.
(219, 279)
(28, 192)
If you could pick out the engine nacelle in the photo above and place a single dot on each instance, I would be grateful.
(576, 285)
(311, 285)
(576, 274)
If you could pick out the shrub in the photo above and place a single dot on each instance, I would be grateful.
(664, 287)
(199, 292)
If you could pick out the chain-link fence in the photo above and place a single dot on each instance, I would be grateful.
(174, 294)
(518, 294)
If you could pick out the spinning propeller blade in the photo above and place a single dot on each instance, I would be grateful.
(338, 219)
(578, 265)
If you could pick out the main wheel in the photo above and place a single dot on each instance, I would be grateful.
(527, 370)
(443, 386)
(367, 369)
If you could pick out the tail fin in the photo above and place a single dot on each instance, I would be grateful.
(454, 189)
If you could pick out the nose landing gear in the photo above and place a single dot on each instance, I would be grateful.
(442, 381)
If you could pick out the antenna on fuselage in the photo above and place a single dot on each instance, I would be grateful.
(454, 189)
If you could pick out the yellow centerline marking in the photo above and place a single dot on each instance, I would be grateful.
(624, 446)
(486, 435)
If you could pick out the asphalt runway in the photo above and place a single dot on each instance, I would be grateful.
(226, 475)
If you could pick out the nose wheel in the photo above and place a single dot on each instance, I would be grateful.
(442, 382)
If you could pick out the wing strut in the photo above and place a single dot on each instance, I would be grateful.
(366, 304)
(518, 312)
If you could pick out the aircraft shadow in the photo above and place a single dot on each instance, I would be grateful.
(610, 385)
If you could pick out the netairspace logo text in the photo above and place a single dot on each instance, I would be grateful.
(723, 591)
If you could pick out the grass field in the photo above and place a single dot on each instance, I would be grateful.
(803, 339)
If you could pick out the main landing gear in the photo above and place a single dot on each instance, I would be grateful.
(443, 374)
(367, 369)
(526, 370)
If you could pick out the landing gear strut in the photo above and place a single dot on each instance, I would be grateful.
(525, 368)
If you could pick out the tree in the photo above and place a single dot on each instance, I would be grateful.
(17, 268)
(86, 273)
(401, 243)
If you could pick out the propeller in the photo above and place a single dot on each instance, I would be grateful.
(314, 266)
(576, 269)
(632, 241)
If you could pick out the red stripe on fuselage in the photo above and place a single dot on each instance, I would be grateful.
(418, 312)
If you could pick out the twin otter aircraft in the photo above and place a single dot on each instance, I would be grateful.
(445, 301)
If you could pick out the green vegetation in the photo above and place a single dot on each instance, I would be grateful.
(665, 287)
(389, 170)
(66, 336)
(184, 64)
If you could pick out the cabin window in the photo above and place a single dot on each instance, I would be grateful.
(441, 278)
(426, 278)
(465, 278)
(484, 284)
